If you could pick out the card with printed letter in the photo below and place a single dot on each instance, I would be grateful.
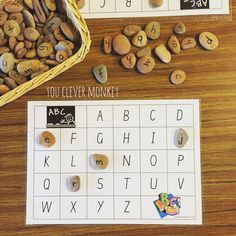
(114, 162)
(144, 8)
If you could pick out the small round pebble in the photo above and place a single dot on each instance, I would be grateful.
(174, 45)
(131, 30)
(129, 61)
(146, 64)
(47, 139)
(188, 43)
(156, 3)
(98, 161)
(177, 77)
(153, 30)
(208, 41)
(73, 183)
(121, 44)
(140, 39)
(180, 28)
(144, 52)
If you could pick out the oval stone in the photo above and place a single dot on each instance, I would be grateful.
(13, 7)
(177, 77)
(47, 139)
(100, 73)
(19, 79)
(10, 83)
(73, 183)
(181, 138)
(129, 61)
(6, 62)
(61, 56)
(31, 34)
(107, 44)
(180, 28)
(208, 41)
(98, 161)
(188, 43)
(3, 17)
(156, 3)
(11, 28)
(153, 30)
(140, 39)
(28, 19)
(174, 45)
(131, 30)
(69, 31)
(28, 67)
(163, 54)
(17, 16)
(121, 44)
(44, 50)
(80, 3)
(3, 89)
(146, 64)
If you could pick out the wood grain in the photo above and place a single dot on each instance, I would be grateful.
(211, 78)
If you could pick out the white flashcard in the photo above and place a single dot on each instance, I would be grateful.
(114, 162)
(143, 8)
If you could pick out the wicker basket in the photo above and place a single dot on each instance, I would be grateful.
(79, 23)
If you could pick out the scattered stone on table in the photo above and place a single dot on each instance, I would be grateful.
(73, 183)
(121, 44)
(156, 3)
(146, 64)
(153, 30)
(144, 52)
(47, 139)
(129, 61)
(180, 28)
(107, 44)
(131, 30)
(178, 77)
(98, 161)
(163, 54)
(181, 138)
(188, 43)
(208, 41)
(3, 89)
(100, 73)
(174, 45)
(140, 39)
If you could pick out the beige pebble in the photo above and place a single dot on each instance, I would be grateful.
(80, 3)
(47, 139)
(28, 67)
(6, 62)
(52, 62)
(3, 89)
(140, 39)
(181, 138)
(131, 30)
(17, 16)
(73, 183)
(49, 38)
(129, 61)
(3, 42)
(28, 19)
(1, 34)
(10, 83)
(163, 54)
(174, 45)
(58, 34)
(145, 64)
(180, 28)
(121, 44)
(100, 73)
(12, 43)
(19, 79)
(44, 50)
(208, 41)
(61, 56)
(177, 77)
(28, 44)
(21, 53)
(188, 43)
(39, 13)
(156, 3)
(153, 30)
(107, 44)
(69, 31)
(29, 4)
(13, 7)
(43, 69)
(3, 17)
(19, 46)
(4, 50)
(98, 161)
(51, 5)
(11, 28)
(31, 34)
(144, 52)
(52, 24)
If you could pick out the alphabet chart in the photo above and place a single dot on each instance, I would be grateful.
(143, 8)
(114, 162)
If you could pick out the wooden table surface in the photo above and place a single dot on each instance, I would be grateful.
(211, 78)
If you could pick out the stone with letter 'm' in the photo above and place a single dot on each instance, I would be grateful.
(98, 161)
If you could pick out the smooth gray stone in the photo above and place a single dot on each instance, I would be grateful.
(100, 73)
(181, 138)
